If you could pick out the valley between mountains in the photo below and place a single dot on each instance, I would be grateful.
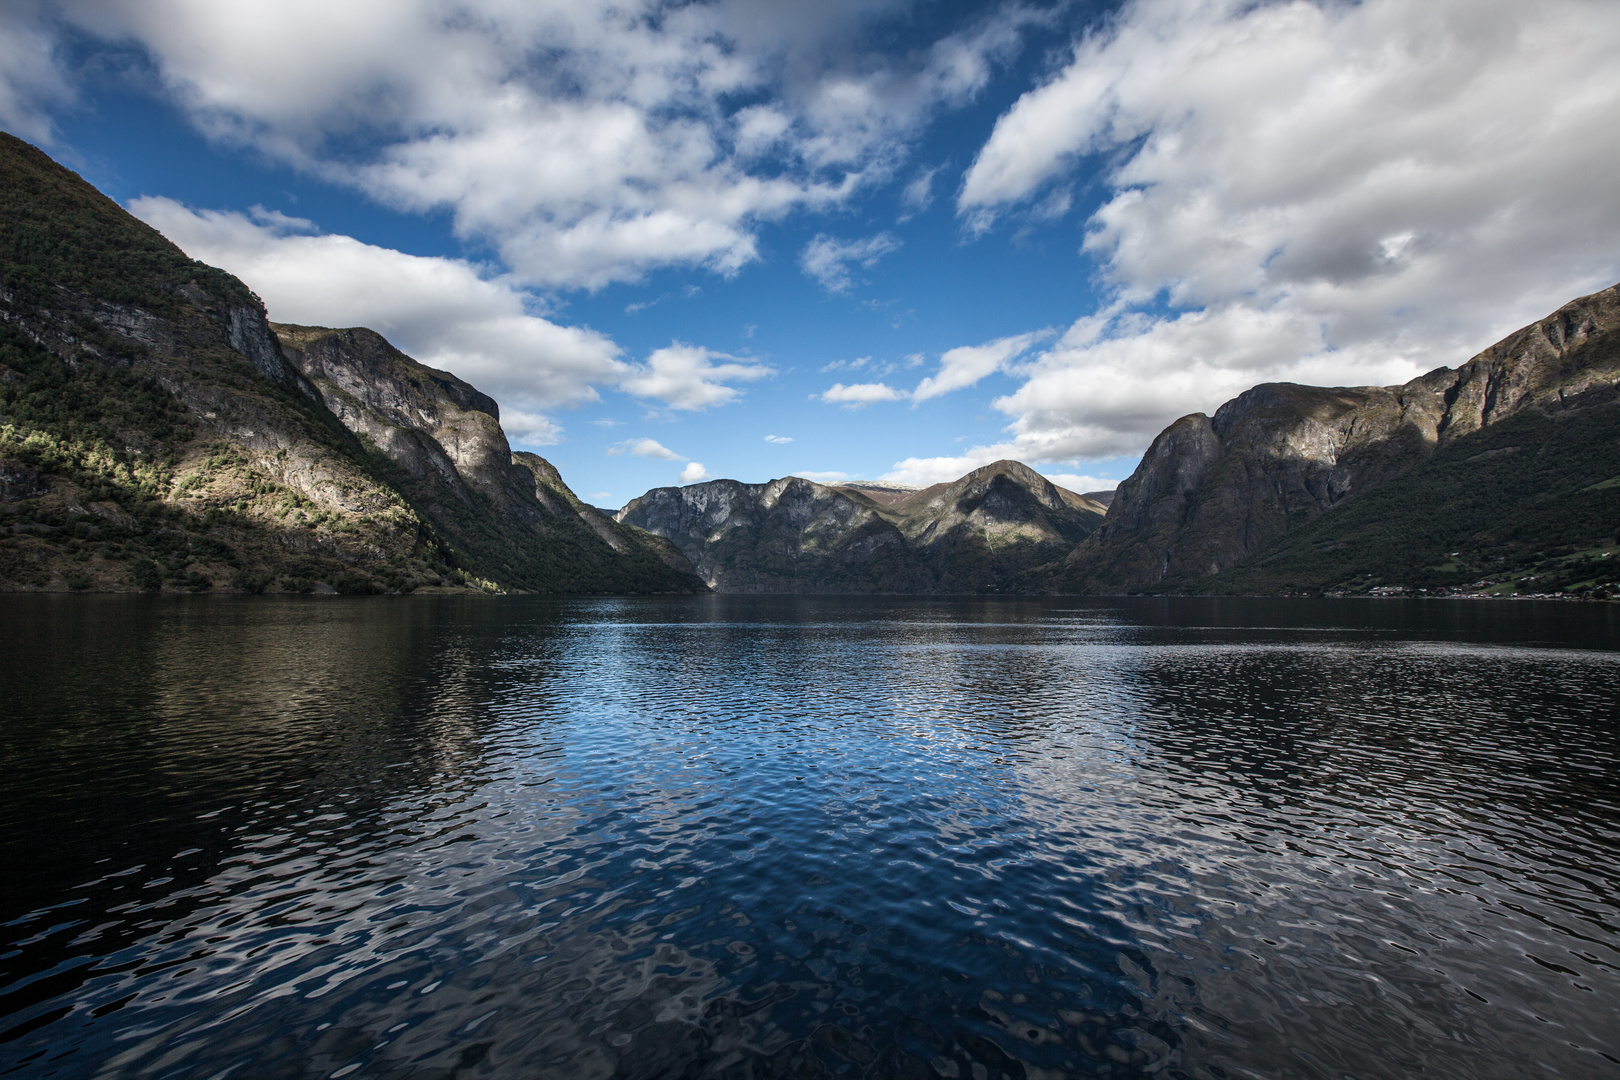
(159, 433)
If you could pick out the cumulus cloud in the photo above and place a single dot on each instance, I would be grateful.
(587, 141)
(918, 195)
(443, 312)
(859, 395)
(1335, 193)
(1081, 485)
(530, 429)
(963, 366)
(693, 473)
(32, 85)
(923, 471)
(651, 448)
(686, 376)
(1114, 380)
(958, 368)
(829, 260)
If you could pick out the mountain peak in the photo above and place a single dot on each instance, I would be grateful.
(978, 533)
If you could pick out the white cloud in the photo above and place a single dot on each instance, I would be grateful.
(967, 364)
(780, 440)
(686, 376)
(1110, 384)
(918, 195)
(530, 429)
(822, 477)
(1081, 485)
(1331, 193)
(828, 259)
(693, 473)
(958, 368)
(861, 394)
(442, 312)
(32, 85)
(922, 472)
(651, 448)
(587, 141)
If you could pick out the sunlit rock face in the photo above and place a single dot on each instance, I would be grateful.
(980, 533)
(1212, 493)
(510, 512)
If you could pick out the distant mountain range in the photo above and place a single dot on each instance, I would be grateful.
(982, 533)
(157, 432)
(1501, 476)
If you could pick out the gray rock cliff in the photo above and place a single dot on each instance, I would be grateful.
(1212, 493)
(509, 514)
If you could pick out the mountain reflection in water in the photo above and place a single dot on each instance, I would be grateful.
(749, 837)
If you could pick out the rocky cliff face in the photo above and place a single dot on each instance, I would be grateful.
(793, 535)
(156, 433)
(1213, 493)
(509, 517)
(790, 536)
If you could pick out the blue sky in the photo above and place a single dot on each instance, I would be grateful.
(857, 240)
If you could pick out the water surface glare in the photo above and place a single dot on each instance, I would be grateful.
(802, 837)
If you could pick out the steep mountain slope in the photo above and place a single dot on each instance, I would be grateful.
(153, 434)
(1285, 476)
(509, 517)
(1528, 504)
(793, 535)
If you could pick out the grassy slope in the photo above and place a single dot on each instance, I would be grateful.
(575, 554)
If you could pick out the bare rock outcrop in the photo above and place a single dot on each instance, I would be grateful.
(1212, 493)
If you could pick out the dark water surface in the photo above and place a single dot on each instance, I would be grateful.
(740, 837)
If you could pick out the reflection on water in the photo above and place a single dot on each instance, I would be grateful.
(748, 837)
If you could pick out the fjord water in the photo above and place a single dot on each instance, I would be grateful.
(748, 837)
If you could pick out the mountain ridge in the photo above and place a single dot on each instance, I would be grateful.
(157, 433)
(975, 534)
(1213, 494)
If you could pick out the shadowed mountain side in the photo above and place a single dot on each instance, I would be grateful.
(1216, 493)
(788, 536)
(793, 535)
(1529, 504)
(151, 434)
(155, 434)
(509, 517)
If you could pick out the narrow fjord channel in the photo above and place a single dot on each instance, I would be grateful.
(805, 837)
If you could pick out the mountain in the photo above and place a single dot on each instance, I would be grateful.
(1506, 468)
(509, 516)
(793, 535)
(157, 432)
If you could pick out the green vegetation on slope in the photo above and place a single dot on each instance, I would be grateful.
(94, 492)
(58, 230)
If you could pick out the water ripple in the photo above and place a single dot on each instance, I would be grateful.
(735, 837)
